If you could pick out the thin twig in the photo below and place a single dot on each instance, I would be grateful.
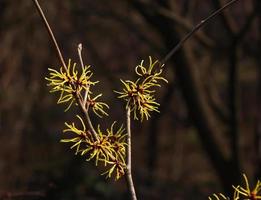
(195, 29)
(229, 25)
(80, 54)
(83, 102)
(186, 25)
(87, 116)
(128, 172)
(87, 85)
(50, 32)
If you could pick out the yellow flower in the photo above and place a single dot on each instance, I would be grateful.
(242, 193)
(69, 83)
(246, 192)
(109, 147)
(97, 107)
(117, 140)
(139, 94)
(110, 150)
(117, 167)
(82, 136)
(139, 98)
(99, 150)
(146, 105)
(153, 71)
(116, 163)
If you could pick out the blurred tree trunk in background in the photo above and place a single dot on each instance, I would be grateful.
(258, 111)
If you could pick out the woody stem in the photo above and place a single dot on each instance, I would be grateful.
(128, 173)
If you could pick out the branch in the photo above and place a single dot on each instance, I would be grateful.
(128, 172)
(50, 32)
(195, 29)
(82, 103)
(87, 85)
(227, 22)
(185, 24)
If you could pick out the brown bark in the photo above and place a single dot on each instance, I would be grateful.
(258, 117)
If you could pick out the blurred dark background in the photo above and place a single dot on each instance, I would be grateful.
(207, 134)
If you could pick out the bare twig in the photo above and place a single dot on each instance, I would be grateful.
(185, 24)
(80, 54)
(50, 32)
(89, 122)
(195, 29)
(229, 25)
(128, 172)
(83, 102)
(87, 86)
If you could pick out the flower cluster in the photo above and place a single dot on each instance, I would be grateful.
(108, 150)
(243, 192)
(73, 85)
(106, 147)
(139, 94)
